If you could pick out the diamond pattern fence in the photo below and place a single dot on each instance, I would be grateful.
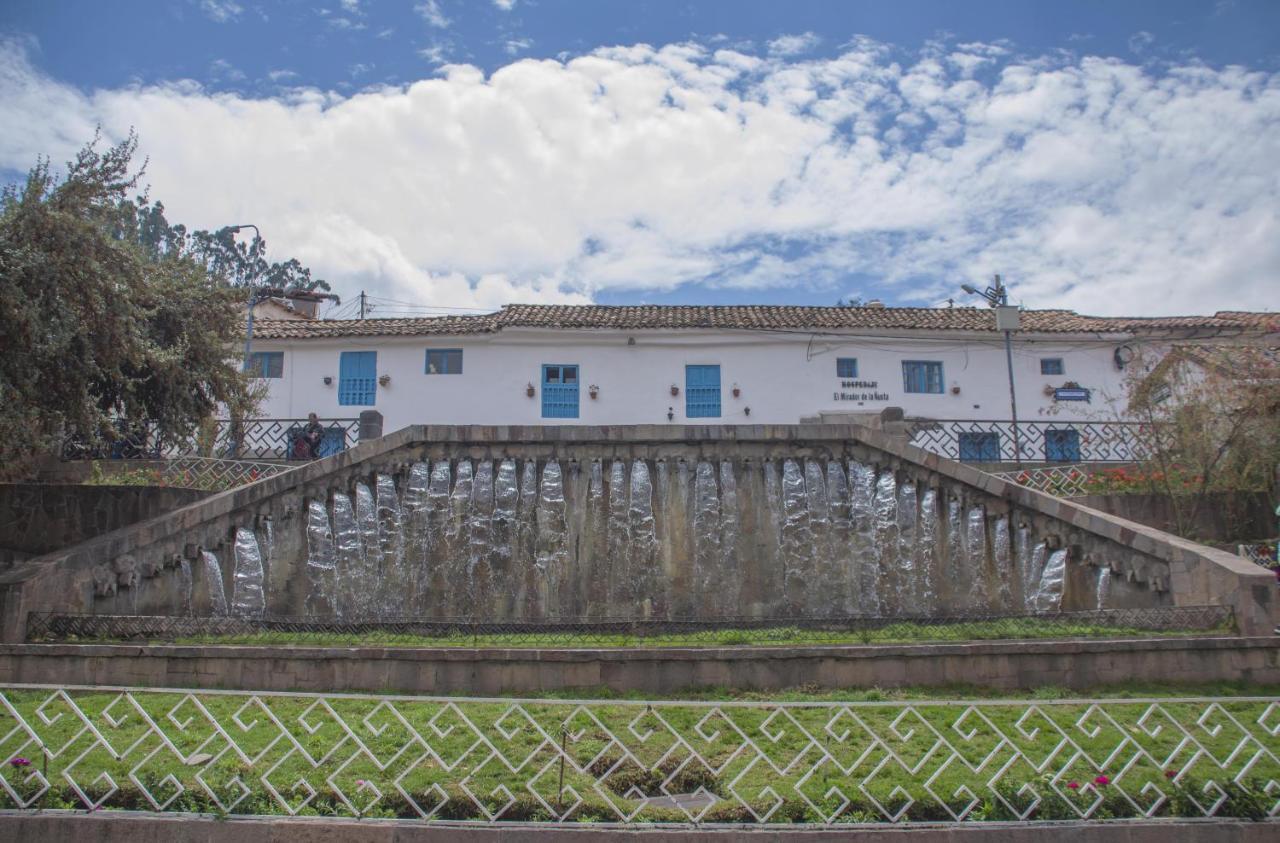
(1065, 481)
(215, 474)
(51, 627)
(625, 761)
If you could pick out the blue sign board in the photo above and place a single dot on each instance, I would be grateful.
(1070, 393)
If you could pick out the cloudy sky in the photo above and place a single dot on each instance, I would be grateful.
(1111, 158)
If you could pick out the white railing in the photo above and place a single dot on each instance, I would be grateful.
(625, 761)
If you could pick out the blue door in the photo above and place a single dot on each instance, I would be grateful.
(357, 378)
(702, 392)
(980, 446)
(1062, 445)
(559, 391)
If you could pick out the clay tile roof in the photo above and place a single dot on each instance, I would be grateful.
(280, 329)
(756, 317)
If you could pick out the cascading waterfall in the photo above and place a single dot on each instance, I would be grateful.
(884, 525)
(217, 587)
(1049, 592)
(926, 551)
(642, 595)
(479, 563)
(522, 538)
(1102, 590)
(248, 598)
(551, 550)
(865, 576)
(906, 596)
(1002, 556)
(797, 539)
(321, 567)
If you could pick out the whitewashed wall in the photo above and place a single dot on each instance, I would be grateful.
(781, 378)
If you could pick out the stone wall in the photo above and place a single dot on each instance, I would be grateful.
(1005, 665)
(1224, 517)
(150, 567)
(38, 518)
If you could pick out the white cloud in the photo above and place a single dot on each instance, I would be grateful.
(430, 11)
(505, 5)
(350, 6)
(793, 45)
(1140, 41)
(221, 11)
(1089, 183)
(517, 45)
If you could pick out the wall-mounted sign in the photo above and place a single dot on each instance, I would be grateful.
(859, 391)
(1071, 393)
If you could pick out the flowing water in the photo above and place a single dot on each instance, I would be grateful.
(634, 538)
(248, 597)
(217, 586)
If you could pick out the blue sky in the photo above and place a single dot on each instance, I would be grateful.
(1110, 157)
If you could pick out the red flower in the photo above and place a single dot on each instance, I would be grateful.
(1168, 774)
(1102, 780)
(20, 762)
(1073, 785)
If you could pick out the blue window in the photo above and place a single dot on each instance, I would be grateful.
(1052, 366)
(978, 446)
(266, 364)
(357, 378)
(846, 367)
(444, 361)
(559, 391)
(922, 376)
(1062, 445)
(702, 392)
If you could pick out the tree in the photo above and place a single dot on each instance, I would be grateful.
(1210, 422)
(109, 317)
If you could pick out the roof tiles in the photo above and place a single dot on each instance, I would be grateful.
(758, 318)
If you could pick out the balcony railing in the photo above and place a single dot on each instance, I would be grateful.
(992, 440)
(250, 439)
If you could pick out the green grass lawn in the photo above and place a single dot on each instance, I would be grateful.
(897, 633)
(795, 757)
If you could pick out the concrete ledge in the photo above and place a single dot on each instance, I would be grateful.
(59, 827)
(1076, 663)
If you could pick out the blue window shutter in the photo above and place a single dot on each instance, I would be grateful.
(702, 392)
(559, 391)
(1062, 445)
(846, 367)
(922, 376)
(980, 446)
(357, 378)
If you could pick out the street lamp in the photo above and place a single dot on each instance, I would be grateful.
(997, 297)
(253, 296)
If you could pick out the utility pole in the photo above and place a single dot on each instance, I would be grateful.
(1007, 320)
(362, 307)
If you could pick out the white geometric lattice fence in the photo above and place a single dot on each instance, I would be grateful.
(491, 760)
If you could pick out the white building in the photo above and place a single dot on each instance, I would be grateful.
(596, 365)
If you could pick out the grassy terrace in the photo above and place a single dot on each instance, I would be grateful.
(895, 633)
(839, 756)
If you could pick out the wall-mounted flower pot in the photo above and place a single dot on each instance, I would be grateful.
(328, 380)
(955, 389)
(675, 390)
(593, 391)
(737, 392)
(529, 390)
(384, 379)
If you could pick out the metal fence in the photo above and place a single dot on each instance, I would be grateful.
(713, 763)
(992, 440)
(215, 474)
(55, 627)
(1065, 481)
(250, 439)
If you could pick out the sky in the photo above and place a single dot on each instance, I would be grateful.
(1112, 158)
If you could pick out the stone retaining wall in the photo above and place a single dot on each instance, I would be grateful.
(1006, 665)
(133, 570)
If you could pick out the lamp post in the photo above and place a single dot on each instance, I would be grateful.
(997, 297)
(253, 296)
